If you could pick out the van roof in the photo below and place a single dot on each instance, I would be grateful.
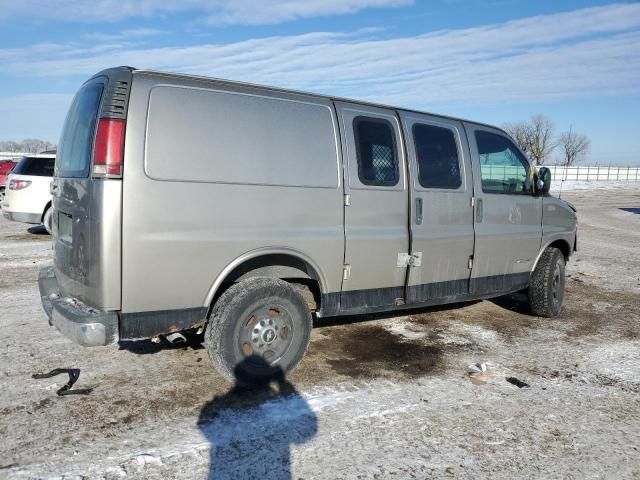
(291, 91)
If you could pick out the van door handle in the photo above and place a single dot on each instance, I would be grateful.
(418, 211)
(479, 212)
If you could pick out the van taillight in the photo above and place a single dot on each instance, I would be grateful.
(108, 154)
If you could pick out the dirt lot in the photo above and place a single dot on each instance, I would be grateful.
(375, 397)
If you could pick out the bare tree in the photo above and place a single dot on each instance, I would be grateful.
(521, 133)
(28, 145)
(534, 137)
(574, 146)
(542, 143)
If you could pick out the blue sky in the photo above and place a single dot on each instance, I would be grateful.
(496, 61)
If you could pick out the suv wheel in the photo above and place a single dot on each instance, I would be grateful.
(46, 219)
(258, 330)
(546, 290)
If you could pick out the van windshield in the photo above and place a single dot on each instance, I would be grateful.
(76, 143)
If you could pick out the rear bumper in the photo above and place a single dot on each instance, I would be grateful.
(80, 323)
(23, 217)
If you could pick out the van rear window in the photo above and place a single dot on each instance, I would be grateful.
(36, 166)
(76, 143)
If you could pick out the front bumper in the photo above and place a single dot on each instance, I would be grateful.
(82, 324)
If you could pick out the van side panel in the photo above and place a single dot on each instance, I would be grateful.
(239, 138)
(213, 172)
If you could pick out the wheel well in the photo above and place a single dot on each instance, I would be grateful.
(46, 207)
(286, 267)
(563, 246)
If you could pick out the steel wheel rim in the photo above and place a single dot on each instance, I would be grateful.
(266, 332)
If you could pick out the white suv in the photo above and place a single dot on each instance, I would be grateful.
(27, 197)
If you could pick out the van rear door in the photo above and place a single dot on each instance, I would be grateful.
(87, 207)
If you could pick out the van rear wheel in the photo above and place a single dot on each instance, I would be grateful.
(258, 330)
(546, 290)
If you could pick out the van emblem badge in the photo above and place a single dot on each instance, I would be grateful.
(269, 335)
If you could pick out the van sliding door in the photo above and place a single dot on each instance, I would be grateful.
(376, 208)
(441, 212)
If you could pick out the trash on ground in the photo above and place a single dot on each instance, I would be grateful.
(478, 373)
(516, 382)
(477, 368)
(74, 374)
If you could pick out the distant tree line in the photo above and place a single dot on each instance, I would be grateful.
(536, 137)
(28, 145)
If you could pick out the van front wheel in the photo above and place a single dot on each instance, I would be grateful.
(258, 330)
(546, 290)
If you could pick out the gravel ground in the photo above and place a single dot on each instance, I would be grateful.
(384, 396)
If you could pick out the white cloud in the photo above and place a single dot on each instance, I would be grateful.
(244, 12)
(590, 51)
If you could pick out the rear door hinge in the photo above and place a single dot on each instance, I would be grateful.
(346, 272)
(473, 202)
(470, 262)
(347, 199)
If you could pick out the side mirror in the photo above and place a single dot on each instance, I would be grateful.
(543, 181)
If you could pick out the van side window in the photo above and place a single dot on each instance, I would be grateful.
(503, 168)
(376, 151)
(437, 155)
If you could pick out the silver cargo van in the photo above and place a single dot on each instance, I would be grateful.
(182, 203)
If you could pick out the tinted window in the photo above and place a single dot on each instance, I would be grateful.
(503, 168)
(76, 144)
(437, 154)
(40, 167)
(376, 151)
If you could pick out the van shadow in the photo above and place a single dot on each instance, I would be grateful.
(250, 429)
(321, 322)
(517, 302)
(37, 230)
(147, 347)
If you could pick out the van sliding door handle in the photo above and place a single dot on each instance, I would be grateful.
(418, 211)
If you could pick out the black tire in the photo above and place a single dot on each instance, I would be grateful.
(258, 330)
(546, 290)
(46, 219)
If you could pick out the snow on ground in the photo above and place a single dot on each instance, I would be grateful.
(381, 396)
(559, 186)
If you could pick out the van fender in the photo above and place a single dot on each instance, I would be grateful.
(549, 241)
(259, 252)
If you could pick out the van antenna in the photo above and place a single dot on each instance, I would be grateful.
(564, 175)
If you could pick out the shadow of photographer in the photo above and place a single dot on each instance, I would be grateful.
(251, 427)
